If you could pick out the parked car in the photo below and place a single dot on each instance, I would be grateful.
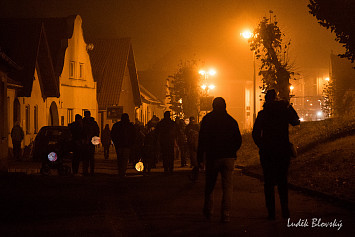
(52, 145)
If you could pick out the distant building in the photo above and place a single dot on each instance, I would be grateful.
(118, 88)
(56, 72)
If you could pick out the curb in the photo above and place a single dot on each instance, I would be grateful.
(348, 204)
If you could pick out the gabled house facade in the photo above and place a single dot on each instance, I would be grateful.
(118, 88)
(56, 73)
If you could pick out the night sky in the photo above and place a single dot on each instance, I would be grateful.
(206, 30)
(165, 32)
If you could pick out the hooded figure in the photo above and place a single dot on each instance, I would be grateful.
(270, 134)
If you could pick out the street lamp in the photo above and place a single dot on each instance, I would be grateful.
(206, 84)
(247, 34)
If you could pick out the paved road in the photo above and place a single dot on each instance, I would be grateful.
(154, 205)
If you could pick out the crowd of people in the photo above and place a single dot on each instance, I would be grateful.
(212, 145)
(163, 140)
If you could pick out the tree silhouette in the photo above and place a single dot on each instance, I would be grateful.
(183, 89)
(339, 17)
(267, 44)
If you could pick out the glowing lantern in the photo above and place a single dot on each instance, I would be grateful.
(139, 166)
(95, 140)
(52, 156)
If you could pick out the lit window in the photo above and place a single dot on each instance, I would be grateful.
(81, 71)
(70, 115)
(72, 69)
(28, 124)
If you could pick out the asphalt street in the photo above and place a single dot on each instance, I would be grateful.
(152, 205)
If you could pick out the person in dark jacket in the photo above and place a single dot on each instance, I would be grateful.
(219, 141)
(17, 136)
(167, 136)
(192, 131)
(106, 141)
(90, 129)
(76, 129)
(123, 135)
(270, 134)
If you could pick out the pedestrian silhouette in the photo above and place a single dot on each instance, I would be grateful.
(17, 136)
(167, 135)
(219, 141)
(106, 141)
(181, 141)
(123, 135)
(90, 130)
(150, 149)
(270, 134)
(192, 131)
(76, 129)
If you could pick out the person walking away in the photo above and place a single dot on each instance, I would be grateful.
(106, 141)
(123, 135)
(271, 135)
(90, 130)
(150, 148)
(76, 129)
(219, 141)
(137, 149)
(181, 141)
(192, 131)
(167, 136)
(17, 136)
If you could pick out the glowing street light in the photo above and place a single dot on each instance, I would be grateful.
(207, 86)
(247, 34)
(211, 87)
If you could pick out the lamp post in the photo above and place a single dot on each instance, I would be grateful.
(206, 86)
(247, 35)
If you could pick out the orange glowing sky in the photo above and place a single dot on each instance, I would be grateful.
(207, 29)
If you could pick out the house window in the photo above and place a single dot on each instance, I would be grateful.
(70, 116)
(72, 69)
(28, 124)
(83, 112)
(35, 118)
(81, 70)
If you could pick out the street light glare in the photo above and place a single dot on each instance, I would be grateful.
(212, 72)
(292, 87)
(211, 87)
(247, 34)
(203, 87)
(202, 72)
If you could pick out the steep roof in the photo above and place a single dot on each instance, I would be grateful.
(148, 97)
(109, 59)
(38, 43)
